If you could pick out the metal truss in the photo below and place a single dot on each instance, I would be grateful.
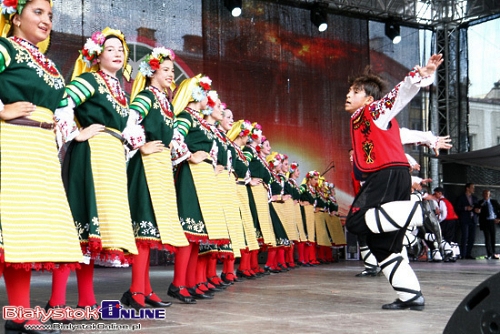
(415, 13)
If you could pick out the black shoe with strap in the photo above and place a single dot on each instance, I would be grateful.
(175, 292)
(127, 300)
(155, 303)
(62, 321)
(196, 295)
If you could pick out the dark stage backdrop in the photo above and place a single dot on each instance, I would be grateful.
(270, 65)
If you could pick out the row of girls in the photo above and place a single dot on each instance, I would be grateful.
(64, 224)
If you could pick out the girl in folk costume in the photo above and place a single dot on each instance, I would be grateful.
(95, 155)
(294, 190)
(333, 223)
(323, 237)
(238, 134)
(206, 272)
(289, 210)
(153, 205)
(308, 194)
(227, 156)
(36, 229)
(198, 208)
(278, 214)
(258, 195)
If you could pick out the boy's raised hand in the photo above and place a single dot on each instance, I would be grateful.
(432, 65)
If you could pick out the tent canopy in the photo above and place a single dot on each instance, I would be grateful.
(487, 158)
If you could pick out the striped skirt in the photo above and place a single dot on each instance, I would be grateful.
(36, 221)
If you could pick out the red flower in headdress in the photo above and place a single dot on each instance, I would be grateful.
(10, 3)
(210, 103)
(154, 63)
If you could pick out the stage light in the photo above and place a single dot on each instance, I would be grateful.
(234, 7)
(392, 31)
(318, 18)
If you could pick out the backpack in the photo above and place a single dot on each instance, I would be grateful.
(452, 215)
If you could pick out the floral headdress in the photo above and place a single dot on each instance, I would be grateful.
(200, 91)
(93, 48)
(11, 7)
(153, 60)
(213, 97)
(312, 174)
(246, 128)
(240, 128)
(274, 159)
(256, 132)
(293, 167)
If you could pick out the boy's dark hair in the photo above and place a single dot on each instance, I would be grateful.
(439, 189)
(372, 84)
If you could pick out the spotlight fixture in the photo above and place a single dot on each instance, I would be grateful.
(392, 31)
(234, 7)
(318, 18)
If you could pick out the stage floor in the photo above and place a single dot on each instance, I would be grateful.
(323, 299)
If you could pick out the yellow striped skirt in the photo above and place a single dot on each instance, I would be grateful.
(297, 215)
(246, 217)
(160, 179)
(281, 211)
(230, 205)
(290, 221)
(309, 214)
(322, 237)
(211, 210)
(36, 220)
(261, 202)
(336, 230)
(110, 183)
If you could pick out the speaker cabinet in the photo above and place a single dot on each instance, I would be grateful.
(479, 312)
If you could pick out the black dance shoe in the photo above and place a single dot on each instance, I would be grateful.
(127, 300)
(417, 304)
(271, 270)
(221, 285)
(12, 327)
(283, 267)
(224, 279)
(214, 289)
(244, 274)
(62, 321)
(175, 292)
(204, 295)
(367, 273)
(154, 303)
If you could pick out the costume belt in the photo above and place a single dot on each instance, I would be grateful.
(114, 134)
(25, 121)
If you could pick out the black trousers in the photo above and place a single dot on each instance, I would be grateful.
(448, 230)
(386, 185)
(489, 231)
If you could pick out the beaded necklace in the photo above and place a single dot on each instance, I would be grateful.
(114, 87)
(162, 99)
(37, 56)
